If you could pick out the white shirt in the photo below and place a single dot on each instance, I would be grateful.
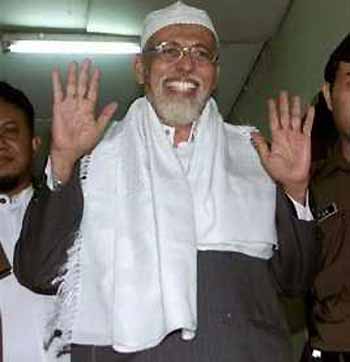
(23, 312)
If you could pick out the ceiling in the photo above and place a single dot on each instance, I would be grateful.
(243, 26)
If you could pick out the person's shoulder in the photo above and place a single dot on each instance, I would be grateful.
(317, 167)
(325, 168)
(321, 169)
(110, 139)
(239, 132)
(114, 129)
(243, 155)
(112, 133)
(239, 137)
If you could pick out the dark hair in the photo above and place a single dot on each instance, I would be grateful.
(17, 98)
(324, 134)
(340, 54)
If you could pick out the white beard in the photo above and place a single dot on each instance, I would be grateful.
(177, 110)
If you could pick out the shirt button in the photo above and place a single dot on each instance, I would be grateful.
(2, 200)
(167, 132)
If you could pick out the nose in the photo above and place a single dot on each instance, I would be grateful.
(186, 62)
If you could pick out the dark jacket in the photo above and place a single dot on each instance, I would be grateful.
(330, 298)
(238, 311)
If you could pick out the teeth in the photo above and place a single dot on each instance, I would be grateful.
(181, 86)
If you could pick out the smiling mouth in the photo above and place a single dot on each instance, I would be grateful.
(182, 86)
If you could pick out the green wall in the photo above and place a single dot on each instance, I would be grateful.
(294, 59)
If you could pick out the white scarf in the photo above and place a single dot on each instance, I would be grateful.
(131, 276)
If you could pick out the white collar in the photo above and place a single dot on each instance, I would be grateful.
(170, 134)
(16, 199)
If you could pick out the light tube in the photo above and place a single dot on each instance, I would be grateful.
(72, 47)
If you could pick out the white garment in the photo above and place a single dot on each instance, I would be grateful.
(23, 312)
(145, 217)
(176, 13)
(183, 151)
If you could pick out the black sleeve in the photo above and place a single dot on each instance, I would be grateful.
(49, 226)
(295, 261)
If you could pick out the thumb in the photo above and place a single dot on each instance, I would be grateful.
(106, 116)
(261, 146)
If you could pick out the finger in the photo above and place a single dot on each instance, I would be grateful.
(261, 146)
(72, 80)
(284, 109)
(309, 120)
(56, 86)
(83, 78)
(273, 116)
(94, 86)
(295, 113)
(106, 116)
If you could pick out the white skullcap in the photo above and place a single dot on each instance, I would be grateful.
(177, 13)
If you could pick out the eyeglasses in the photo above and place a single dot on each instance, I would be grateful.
(173, 52)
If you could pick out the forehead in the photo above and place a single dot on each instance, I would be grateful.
(184, 34)
(344, 67)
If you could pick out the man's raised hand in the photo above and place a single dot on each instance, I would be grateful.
(76, 129)
(287, 160)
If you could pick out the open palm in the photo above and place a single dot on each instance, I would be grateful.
(75, 129)
(288, 158)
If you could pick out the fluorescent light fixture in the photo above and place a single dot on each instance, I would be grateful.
(72, 47)
(69, 44)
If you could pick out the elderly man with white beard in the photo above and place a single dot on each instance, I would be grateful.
(170, 236)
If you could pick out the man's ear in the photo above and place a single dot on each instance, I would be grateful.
(326, 90)
(36, 143)
(139, 69)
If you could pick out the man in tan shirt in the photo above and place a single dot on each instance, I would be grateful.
(330, 304)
